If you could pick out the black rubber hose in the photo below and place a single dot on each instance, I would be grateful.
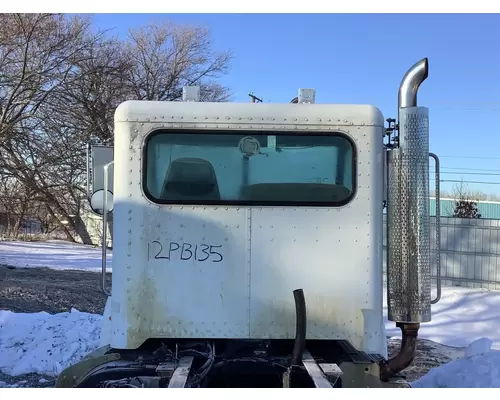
(300, 327)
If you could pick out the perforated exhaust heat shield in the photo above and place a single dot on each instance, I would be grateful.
(408, 228)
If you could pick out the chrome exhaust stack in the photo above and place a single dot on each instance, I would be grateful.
(408, 227)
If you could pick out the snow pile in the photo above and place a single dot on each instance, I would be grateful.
(480, 368)
(461, 317)
(15, 385)
(44, 343)
(54, 254)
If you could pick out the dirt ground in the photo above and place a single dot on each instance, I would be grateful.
(42, 289)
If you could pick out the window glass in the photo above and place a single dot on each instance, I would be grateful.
(251, 168)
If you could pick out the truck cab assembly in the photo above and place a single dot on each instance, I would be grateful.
(248, 243)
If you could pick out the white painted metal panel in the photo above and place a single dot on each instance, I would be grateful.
(185, 273)
(335, 254)
(254, 114)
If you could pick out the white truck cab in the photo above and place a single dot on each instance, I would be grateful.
(251, 235)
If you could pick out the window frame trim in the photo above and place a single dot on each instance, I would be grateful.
(243, 203)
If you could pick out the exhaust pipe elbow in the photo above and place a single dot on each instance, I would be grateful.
(406, 354)
(411, 82)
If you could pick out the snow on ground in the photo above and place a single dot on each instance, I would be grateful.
(55, 254)
(479, 368)
(462, 316)
(44, 343)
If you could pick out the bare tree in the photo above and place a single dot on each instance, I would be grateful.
(60, 83)
(14, 205)
(166, 57)
(38, 56)
(85, 109)
(22, 211)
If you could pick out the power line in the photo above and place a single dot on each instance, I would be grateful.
(482, 183)
(458, 107)
(472, 169)
(465, 102)
(467, 173)
(475, 157)
(467, 109)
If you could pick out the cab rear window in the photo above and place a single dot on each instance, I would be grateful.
(249, 169)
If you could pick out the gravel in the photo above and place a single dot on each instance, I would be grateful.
(31, 290)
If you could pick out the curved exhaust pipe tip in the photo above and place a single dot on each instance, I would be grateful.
(406, 355)
(411, 82)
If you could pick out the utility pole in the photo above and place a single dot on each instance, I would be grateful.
(254, 98)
